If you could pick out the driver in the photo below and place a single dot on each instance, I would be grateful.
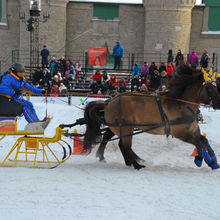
(13, 85)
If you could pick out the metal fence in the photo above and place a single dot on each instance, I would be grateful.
(128, 60)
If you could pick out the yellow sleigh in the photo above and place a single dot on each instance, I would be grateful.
(32, 150)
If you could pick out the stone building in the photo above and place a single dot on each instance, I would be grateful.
(148, 30)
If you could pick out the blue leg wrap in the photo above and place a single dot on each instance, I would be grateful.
(198, 159)
(207, 157)
(211, 161)
(214, 159)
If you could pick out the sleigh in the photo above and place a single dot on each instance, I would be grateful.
(32, 149)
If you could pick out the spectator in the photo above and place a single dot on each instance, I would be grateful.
(46, 87)
(135, 83)
(94, 87)
(155, 81)
(105, 79)
(136, 70)
(46, 77)
(44, 54)
(65, 81)
(70, 63)
(52, 65)
(55, 80)
(162, 68)
(163, 81)
(170, 70)
(38, 74)
(54, 92)
(204, 62)
(143, 84)
(179, 59)
(62, 88)
(113, 83)
(144, 70)
(57, 67)
(63, 65)
(193, 59)
(59, 78)
(152, 68)
(77, 68)
(170, 56)
(122, 85)
(118, 53)
(97, 77)
(71, 74)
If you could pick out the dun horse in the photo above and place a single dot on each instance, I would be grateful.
(173, 113)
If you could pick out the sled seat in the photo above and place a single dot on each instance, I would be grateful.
(9, 107)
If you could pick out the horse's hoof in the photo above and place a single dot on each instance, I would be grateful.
(102, 160)
(138, 167)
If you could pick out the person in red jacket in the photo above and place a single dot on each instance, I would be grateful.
(98, 77)
(170, 70)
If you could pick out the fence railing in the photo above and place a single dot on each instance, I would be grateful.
(128, 60)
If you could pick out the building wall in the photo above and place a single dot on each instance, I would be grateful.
(200, 37)
(140, 28)
(84, 31)
(9, 28)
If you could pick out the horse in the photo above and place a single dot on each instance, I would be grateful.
(172, 113)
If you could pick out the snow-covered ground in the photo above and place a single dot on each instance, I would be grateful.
(170, 187)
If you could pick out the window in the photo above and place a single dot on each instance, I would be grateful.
(105, 11)
(214, 18)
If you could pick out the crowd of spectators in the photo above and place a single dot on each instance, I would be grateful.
(56, 75)
(147, 77)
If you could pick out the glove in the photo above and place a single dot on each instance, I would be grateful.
(17, 91)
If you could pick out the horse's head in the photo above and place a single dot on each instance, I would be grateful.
(208, 92)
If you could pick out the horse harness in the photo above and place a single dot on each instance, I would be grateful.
(165, 122)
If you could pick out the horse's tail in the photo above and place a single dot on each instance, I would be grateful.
(94, 117)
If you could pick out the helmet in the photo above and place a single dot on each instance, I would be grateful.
(17, 68)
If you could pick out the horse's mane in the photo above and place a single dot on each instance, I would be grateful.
(184, 77)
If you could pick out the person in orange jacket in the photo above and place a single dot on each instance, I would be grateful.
(113, 83)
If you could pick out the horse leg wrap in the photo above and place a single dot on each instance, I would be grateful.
(210, 157)
(198, 161)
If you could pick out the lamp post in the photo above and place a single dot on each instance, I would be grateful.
(32, 25)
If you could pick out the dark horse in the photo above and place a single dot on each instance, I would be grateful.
(173, 113)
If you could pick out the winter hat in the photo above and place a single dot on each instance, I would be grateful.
(206, 51)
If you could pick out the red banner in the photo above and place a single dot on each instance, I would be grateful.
(97, 56)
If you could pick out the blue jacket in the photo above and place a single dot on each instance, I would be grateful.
(136, 70)
(11, 82)
(118, 51)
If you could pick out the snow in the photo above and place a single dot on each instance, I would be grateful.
(199, 2)
(211, 32)
(170, 187)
